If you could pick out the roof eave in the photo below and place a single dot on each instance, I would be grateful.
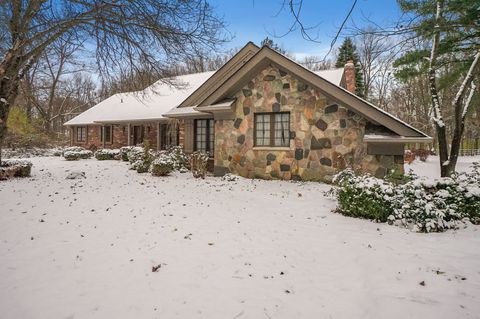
(266, 55)
(399, 139)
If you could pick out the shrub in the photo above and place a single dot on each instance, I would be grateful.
(134, 154)
(409, 157)
(142, 165)
(107, 154)
(130, 153)
(428, 206)
(198, 164)
(180, 160)
(15, 168)
(363, 196)
(124, 152)
(419, 204)
(73, 149)
(470, 183)
(162, 166)
(74, 154)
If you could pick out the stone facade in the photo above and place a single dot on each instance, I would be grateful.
(325, 137)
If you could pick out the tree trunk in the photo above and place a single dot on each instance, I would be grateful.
(442, 149)
(9, 86)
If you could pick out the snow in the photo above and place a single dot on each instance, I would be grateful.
(146, 105)
(431, 168)
(466, 107)
(225, 249)
(334, 75)
(462, 88)
(160, 98)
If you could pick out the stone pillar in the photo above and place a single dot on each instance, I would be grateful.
(349, 71)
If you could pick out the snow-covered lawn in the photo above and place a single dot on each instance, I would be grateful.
(244, 249)
(431, 168)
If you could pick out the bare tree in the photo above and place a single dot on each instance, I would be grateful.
(121, 33)
(46, 86)
(315, 63)
(138, 80)
(376, 55)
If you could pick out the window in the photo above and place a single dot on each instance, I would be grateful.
(108, 133)
(204, 136)
(272, 129)
(169, 134)
(81, 134)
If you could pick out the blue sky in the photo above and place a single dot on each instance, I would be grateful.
(253, 20)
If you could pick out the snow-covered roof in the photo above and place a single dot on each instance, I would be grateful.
(147, 105)
(158, 100)
(334, 75)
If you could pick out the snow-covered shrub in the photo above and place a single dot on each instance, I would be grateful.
(76, 153)
(420, 204)
(15, 168)
(470, 183)
(162, 166)
(134, 154)
(363, 196)
(107, 154)
(142, 165)
(73, 149)
(57, 152)
(126, 150)
(181, 161)
(428, 206)
(230, 177)
(198, 164)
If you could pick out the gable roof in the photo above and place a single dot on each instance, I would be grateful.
(147, 105)
(229, 68)
(266, 56)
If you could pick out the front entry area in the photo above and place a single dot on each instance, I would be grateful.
(137, 134)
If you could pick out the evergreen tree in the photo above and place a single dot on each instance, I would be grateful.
(272, 45)
(346, 52)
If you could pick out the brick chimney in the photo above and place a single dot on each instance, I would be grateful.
(349, 71)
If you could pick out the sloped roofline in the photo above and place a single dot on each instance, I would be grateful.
(266, 56)
(229, 68)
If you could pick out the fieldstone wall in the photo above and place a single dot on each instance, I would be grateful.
(324, 136)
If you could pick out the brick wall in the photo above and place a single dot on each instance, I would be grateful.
(119, 138)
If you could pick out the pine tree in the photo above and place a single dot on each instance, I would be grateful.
(346, 52)
(272, 45)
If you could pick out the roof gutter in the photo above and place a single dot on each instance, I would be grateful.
(395, 139)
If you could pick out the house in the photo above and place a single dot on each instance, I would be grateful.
(260, 115)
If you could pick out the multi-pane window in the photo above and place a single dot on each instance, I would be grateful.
(272, 129)
(169, 135)
(205, 136)
(81, 134)
(107, 132)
